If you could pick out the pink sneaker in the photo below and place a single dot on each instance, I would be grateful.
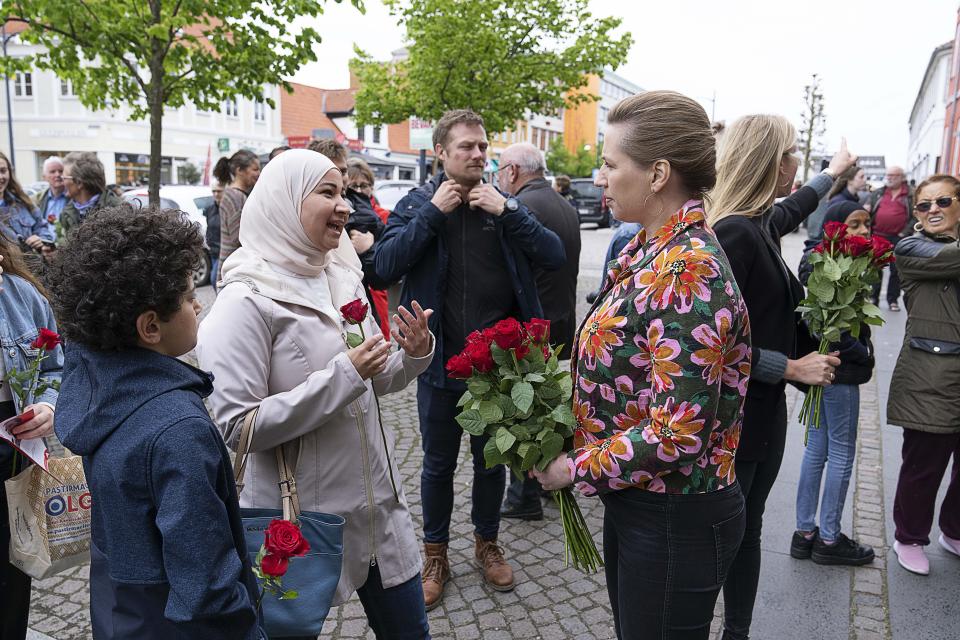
(912, 558)
(951, 545)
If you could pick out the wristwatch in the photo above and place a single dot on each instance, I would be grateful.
(511, 205)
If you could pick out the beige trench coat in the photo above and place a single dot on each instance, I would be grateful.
(291, 361)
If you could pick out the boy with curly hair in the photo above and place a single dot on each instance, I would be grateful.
(168, 558)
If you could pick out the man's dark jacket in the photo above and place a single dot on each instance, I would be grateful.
(558, 288)
(168, 557)
(413, 248)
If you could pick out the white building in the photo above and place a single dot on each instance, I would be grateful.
(49, 120)
(927, 116)
(613, 89)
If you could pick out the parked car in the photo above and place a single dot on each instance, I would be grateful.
(389, 192)
(192, 200)
(590, 203)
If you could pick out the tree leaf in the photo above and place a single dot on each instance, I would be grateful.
(472, 422)
(522, 394)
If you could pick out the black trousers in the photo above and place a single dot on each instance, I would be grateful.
(756, 479)
(666, 557)
(14, 584)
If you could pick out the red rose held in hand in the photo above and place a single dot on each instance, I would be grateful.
(47, 340)
(508, 333)
(459, 367)
(284, 538)
(855, 246)
(834, 231)
(882, 251)
(539, 330)
(354, 312)
(274, 565)
(480, 356)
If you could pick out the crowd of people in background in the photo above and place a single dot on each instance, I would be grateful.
(680, 366)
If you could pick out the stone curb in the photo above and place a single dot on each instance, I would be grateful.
(869, 604)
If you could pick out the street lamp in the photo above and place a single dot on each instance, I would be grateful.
(6, 80)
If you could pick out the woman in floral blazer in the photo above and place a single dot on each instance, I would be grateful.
(661, 368)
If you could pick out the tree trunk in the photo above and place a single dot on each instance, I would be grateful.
(155, 103)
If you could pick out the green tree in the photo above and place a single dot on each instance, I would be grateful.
(814, 124)
(188, 173)
(502, 59)
(151, 54)
(560, 161)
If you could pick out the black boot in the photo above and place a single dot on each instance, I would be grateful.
(844, 551)
(521, 512)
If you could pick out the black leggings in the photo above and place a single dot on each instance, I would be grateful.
(666, 556)
(756, 479)
(14, 584)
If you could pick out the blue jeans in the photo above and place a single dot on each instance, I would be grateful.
(214, 269)
(836, 441)
(441, 435)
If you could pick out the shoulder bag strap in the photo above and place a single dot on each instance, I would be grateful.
(288, 487)
(243, 447)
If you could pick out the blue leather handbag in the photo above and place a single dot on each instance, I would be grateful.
(314, 576)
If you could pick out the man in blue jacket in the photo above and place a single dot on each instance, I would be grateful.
(466, 250)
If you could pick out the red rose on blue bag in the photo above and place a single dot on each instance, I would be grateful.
(283, 538)
(273, 565)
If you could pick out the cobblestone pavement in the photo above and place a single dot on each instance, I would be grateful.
(555, 602)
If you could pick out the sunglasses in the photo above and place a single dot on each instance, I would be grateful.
(943, 203)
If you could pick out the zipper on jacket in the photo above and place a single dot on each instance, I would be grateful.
(386, 449)
(463, 256)
(367, 482)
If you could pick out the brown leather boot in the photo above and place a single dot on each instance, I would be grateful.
(436, 572)
(489, 556)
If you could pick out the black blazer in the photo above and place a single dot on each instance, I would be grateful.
(772, 293)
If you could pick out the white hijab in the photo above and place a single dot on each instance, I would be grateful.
(276, 258)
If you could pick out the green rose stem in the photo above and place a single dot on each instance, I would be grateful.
(810, 411)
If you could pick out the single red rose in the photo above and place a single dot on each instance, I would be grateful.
(508, 333)
(47, 340)
(539, 330)
(354, 312)
(522, 350)
(854, 246)
(834, 231)
(459, 367)
(882, 251)
(283, 538)
(477, 337)
(274, 565)
(819, 248)
(52, 219)
(480, 356)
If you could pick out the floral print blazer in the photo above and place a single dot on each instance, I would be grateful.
(661, 366)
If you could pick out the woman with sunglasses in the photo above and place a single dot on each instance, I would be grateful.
(927, 375)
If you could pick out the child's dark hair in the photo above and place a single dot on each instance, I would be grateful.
(118, 265)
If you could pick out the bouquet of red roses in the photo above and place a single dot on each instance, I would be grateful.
(518, 396)
(845, 268)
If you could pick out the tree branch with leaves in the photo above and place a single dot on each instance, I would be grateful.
(814, 124)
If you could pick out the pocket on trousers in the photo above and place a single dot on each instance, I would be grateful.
(727, 536)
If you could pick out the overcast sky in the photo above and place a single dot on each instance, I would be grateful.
(757, 55)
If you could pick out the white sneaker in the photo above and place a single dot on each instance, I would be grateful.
(912, 558)
(951, 545)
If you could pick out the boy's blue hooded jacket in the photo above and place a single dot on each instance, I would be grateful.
(168, 559)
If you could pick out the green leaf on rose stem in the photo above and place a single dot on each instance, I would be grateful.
(823, 290)
(490, 411)
(522, 394)
(521, 431)
(354, 340)
(289, 595)
(491, 454)
(505, 439)
(534, 377)
(537, 361)
(529, 456)
(566, 387)
(549, 390)
(478, 387)
(563, 414)
(472, 422)
(260, 554)
(832, 270)
(814, 258)
(551, 445)
(877, 322)
(871, 311)
(501, 357)
(506, 405)
(465, 398)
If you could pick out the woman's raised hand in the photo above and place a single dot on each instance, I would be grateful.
(412, 332)
(370, 357)
(842, 160)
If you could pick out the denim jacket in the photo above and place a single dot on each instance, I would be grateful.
(19, 221)
(23, 312)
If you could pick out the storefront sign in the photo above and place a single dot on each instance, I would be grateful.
(421, 134)
(223, 144)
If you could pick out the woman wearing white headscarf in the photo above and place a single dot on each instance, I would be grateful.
(276, 341)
